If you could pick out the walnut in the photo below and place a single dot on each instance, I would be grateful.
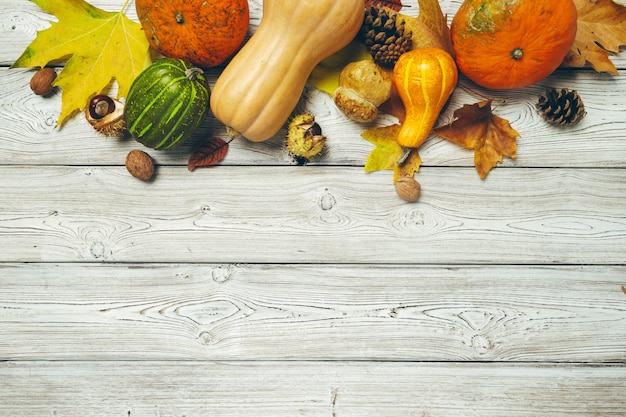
(408, 188)
(140, 165)
(41, 82)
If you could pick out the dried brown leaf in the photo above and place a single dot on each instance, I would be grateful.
(600, 33)
(207, 153)
(474, 126)
(409, 167)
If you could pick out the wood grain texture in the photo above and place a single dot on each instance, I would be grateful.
(258, 287)
(288, 312)
(311, 214)
(147, 389)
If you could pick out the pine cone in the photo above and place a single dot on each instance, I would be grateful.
(562, 107)
(385, 40)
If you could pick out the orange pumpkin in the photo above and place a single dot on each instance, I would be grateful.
(424, 79)
(203, 32)
(503, 44)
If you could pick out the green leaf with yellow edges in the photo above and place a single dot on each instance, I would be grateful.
(388, 154)
(99, 47)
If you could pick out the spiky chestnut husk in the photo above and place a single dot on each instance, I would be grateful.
(304, 137)
(106, 115)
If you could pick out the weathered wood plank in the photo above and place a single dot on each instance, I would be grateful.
(30, 136)
(311, 214)
(338, 389)
(333, 312)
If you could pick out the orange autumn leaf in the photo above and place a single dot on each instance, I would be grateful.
(207, 153)
(600, 33)
(430, 28)
(474, 126)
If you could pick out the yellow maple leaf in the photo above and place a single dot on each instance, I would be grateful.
(387, 151)
(600, 33)
(388, 154)
(99, 46)
(325, 75)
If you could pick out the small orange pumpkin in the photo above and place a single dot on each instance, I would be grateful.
(503, 44)
(424, 79)
(203, 32)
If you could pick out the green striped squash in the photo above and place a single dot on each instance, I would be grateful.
(166, 103)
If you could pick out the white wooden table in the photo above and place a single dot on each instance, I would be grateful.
(262, 288)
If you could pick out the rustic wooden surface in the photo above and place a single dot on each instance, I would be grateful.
(260, 287)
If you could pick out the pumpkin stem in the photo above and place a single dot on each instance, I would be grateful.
(517, 53)
(179, 17)
(192, 73)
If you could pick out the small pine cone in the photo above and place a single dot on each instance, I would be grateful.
(561, 107)
(385, 40)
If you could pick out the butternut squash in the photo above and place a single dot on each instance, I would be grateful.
(424, 78)
(260, 87)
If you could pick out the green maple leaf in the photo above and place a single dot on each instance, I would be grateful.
(99, 46)
(387, 152)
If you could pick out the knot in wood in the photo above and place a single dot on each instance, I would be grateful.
(326, 201)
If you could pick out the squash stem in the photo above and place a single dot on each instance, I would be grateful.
(192, 73)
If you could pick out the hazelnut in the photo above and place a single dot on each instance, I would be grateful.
(363, 86)
(408, 188)
(140, 165)
(41, 82)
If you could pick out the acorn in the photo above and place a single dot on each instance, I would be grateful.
(106, 115)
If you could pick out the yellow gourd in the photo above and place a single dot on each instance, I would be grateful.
(260, 87)
(424, 78)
